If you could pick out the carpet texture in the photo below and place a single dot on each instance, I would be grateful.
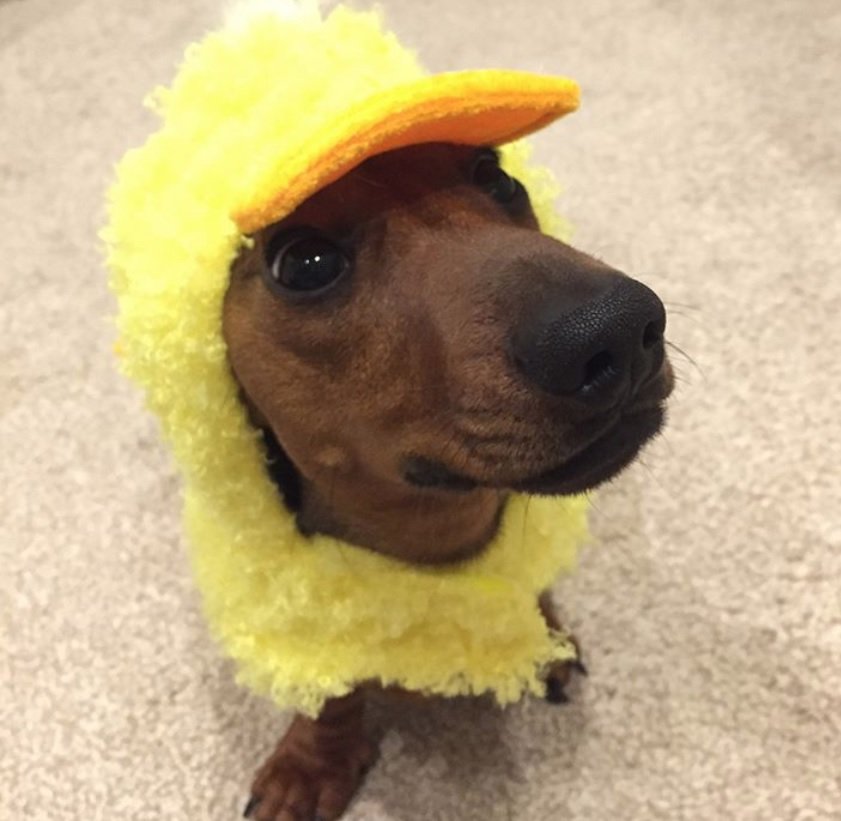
(704, 161)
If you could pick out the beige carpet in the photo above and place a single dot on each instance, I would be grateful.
(705, 160)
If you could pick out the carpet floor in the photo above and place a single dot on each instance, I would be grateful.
(704, 161)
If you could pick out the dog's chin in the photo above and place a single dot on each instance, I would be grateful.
(600, 461)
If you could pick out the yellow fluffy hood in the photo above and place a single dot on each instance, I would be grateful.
(262, 114)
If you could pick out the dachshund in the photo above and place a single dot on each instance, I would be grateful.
(414, 349)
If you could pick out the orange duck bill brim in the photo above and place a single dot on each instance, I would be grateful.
(486, 107)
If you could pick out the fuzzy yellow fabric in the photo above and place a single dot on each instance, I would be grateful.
(262, 114)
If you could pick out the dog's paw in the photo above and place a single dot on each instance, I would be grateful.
(302, 781)
(559, 674)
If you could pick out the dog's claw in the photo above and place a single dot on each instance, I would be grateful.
(250, 806)
(579, 666)
(555, 692)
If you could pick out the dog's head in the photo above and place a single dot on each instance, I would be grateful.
(410, 324)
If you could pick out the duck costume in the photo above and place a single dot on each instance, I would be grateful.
(263, 113)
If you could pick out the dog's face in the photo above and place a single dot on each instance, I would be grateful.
(410, 324)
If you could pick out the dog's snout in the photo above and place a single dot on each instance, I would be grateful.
(592, 351)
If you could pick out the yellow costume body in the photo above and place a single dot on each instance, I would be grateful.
(262, 114)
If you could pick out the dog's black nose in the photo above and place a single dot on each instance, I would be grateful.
(592, 350)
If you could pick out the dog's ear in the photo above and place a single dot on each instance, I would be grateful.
(282, 472)
(279, 466)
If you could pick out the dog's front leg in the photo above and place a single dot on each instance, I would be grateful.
(559, 673)
(317, 766)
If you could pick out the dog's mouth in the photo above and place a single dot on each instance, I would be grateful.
(611, 453)
(599, 461)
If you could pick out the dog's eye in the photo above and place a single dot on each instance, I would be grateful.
(306, 263)
(489, 176)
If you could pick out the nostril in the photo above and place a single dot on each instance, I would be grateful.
(599, 370)
(589, 344)
(652, 335)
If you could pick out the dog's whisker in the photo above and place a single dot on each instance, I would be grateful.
(482, 438)
(592, 501)
(455, 449)
(471, 412)
(525, 517)
(480, 417)
(419, 500)
(647, 468)
(331, 488)
(653, 475)
(680, 376)
(686, 305)
(369, 181)
(667, 441)
(491, 456)
(673, 312)
(343, 550)
(687, 357)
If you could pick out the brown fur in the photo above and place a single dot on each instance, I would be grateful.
(408, 356)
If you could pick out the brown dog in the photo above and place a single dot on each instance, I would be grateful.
(414, 349)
